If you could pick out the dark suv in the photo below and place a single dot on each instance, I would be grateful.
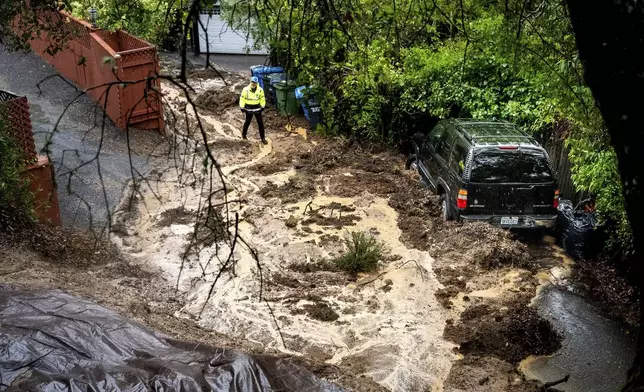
(487, 171)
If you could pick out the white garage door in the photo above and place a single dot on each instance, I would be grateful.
(216, 36)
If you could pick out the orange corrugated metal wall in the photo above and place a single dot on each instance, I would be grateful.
(82, 61)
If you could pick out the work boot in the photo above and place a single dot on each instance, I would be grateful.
(264, 141)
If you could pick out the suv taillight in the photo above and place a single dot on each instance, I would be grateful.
(461, 200)
(555, 202)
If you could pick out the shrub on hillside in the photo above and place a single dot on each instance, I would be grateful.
(15, 198)
(362, 255)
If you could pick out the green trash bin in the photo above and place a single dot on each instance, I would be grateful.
(286, 101)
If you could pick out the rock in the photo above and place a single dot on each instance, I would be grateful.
(388, 282)
(291, 221)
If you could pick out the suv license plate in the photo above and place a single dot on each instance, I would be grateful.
(509, 220)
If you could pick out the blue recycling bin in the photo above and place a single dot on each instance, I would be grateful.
(260, 70)
(313, 113)
(310, 105)
(301, 91)
(300, 94)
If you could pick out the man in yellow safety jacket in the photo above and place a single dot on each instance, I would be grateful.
(252, 101)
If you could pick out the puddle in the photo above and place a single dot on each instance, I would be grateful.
(596, 352)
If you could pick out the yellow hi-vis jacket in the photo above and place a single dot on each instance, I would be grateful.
(253, 99)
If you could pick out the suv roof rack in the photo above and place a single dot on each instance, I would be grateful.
(486, 132)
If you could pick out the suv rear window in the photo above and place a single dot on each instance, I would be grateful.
(512, 166)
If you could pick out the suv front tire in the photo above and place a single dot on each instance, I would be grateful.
(412, 162)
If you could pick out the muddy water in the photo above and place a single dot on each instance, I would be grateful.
(394, 335)
(390, 324)
(596, 352)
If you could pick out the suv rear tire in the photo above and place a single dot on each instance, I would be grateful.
(447, 211)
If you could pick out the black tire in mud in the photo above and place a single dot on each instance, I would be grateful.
(447, 214)
(412, 162)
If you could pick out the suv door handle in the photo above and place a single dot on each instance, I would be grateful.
(525, 189)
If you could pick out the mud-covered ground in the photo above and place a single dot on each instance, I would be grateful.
(607, 287)
(446, 300)
(447, 309)
(38, 256)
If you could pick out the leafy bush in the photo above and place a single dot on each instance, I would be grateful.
(19, 20)
(363, 253)
(15, 197)
(148, 19)
(595, 171)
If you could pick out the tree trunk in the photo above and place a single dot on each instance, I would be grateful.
(610, 39)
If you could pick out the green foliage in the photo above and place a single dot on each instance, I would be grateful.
(595, 168)
(389, 69)
(386, 70)
(15, 197)
(362, 255)
(158, 21)
(19, 22)
(152, 20)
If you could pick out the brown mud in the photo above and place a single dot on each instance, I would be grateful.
(321, 311)
(323, 217)
(511, 334)
(232, 152)
(297, 188)
(488, 374)
(39, 256)
(448, 298)
(497, 325)
(176, 215)
(608, 289)
(273, 120)
(216, 100)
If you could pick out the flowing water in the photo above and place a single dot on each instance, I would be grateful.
(596, 352)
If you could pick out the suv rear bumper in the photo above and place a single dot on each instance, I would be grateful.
(524, 221)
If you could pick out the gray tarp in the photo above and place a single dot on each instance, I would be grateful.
(51, 341)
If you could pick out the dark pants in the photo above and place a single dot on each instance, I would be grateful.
(260, 123)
